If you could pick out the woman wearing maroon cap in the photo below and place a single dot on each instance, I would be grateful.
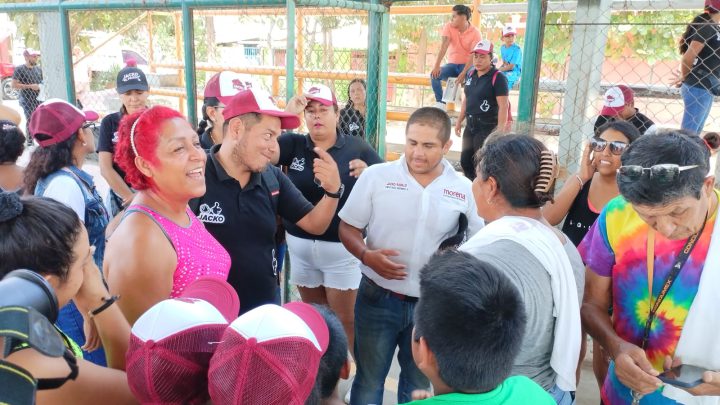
(65, 138)
(332, 277)
(159, 246)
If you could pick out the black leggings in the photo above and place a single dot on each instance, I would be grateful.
(473, 139)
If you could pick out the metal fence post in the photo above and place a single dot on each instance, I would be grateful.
(189, 49)
(373, 78)
(532, 57)
(383, 83)
(290, 51)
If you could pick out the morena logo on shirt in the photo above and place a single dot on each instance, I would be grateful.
(298, 164)
(456, 195)
(211, 215)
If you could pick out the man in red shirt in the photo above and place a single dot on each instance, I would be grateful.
(458, 39)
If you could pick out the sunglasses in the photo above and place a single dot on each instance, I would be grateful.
(662, 173)
(91, 125)
(616, 147)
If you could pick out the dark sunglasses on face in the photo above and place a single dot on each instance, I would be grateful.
(616, 147)
(662, 173)
(90, 125)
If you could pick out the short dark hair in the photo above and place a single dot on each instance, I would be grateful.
(432, 117)
(206, 121)
(40, 238)
(666, 146)
(335, 356)
(627, 129)
(461, 9)
(12, 142)
(514, 162)
(472, 318)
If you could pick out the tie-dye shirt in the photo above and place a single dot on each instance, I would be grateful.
(616, 247)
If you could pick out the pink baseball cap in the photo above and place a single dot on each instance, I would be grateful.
(483, 47)
(615, 99)
(508, 30)
(226, 84)
(56, 120)
(269, 355)
(31, 52)
(258, 101)
(172, 343)
(322, 94)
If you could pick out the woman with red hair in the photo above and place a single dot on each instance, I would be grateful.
(160, 246)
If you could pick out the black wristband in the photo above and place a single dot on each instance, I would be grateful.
(105, 305)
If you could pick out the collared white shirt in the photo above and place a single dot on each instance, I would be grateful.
(402, 215)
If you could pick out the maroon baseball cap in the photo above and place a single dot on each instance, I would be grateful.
(56, 120)
(171, 344)
(322, 94)
(616, 98)
(713, 4)
(227, 84)
(258, 101)
(269, 355)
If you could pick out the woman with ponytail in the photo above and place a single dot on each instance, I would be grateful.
(218, 92)
(133, 88)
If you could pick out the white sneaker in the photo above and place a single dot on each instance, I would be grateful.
(440, 105)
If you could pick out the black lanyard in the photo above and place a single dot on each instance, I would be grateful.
(669, 280)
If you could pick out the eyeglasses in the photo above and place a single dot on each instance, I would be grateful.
(91, 125)
(662, 173)
(616, 147)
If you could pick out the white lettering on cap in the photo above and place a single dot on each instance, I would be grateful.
(131, 76)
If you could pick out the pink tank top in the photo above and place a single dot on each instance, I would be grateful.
(198, 253)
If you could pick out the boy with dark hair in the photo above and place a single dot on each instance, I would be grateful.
(469, 324)
(334, 364)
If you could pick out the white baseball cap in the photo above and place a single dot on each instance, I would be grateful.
(484, 47)
(226, 84)
(508, 30)
(321, 94)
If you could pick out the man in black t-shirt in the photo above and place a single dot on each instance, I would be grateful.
(27, 79)
(485, 105)
(619, 104)
(245, 192)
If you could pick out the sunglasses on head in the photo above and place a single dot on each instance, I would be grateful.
(616, 147)
(663, 173)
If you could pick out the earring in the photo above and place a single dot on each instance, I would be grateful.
(84, 144)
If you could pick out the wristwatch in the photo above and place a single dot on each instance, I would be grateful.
(338, 194)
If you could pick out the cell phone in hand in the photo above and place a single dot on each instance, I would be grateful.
(683, 376)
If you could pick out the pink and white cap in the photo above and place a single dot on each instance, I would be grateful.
(269, 355)
(616, 98)
(483, 47)
(171, 344)
(226, 84)
(322, 94)
(508, 30)
(31, 52)
(258, 101)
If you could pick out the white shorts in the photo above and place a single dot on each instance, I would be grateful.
(315, 263)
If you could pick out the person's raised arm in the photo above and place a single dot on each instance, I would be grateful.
(139, 265)
(555, 211)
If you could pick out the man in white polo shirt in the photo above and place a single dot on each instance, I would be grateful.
(407, 207)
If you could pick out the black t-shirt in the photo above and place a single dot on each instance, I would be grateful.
(580, 217)
(296, 152)
(352, 122)
(109, 137)
(706, 68)
(481, 95)
(28, 75)
(243, 220)
(206, 140)
(639, 121)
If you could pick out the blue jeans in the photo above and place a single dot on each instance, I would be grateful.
(449, 70)
(382, 323)
(698, 102)
(561, 397)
